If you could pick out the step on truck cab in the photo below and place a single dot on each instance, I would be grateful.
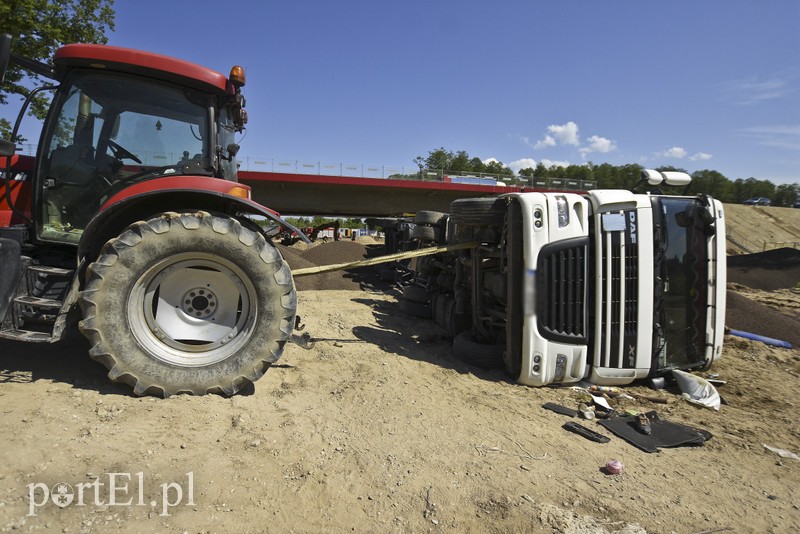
(609, 286)
(130, 222)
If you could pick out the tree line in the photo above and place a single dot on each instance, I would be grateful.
(607, 176)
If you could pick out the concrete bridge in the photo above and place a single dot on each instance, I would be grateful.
(314, 194)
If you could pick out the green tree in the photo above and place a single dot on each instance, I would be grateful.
(446, 160)
(712, 183)
(786, 195)
(38, 28)
(438, 159)
(460, 162)
(752, 187)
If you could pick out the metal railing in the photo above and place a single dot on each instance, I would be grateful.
(361, 170)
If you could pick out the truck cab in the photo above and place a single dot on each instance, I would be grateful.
(608, 286)
(620, 286)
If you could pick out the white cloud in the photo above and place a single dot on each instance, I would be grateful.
(674, 152)
(701, 156)
(598, 144)
(780, 136)
(547, 141)
(487, 161)
(754, 90)
(560, 134)
(524, 163)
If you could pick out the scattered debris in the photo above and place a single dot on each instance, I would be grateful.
(697, 390)
(662, 434)
(783, 453)
(614, 467)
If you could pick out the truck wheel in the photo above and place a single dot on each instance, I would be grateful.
(466, 349)
(428, 233)
(188, 303)
(471, 217)
(416, 294)
(432, 218)
(416, 309)
(478, 211)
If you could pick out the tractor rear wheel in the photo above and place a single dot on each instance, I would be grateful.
(188, 303)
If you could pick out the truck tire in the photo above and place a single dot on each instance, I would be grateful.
(416, 294)
(428, 233)
(470, 217)
(432, 218)
(415, 309)
(188, 303)
(478, 211)
(466, 349)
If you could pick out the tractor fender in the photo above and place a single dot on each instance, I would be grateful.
(185, 193)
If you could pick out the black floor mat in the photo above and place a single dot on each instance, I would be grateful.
(663, 433)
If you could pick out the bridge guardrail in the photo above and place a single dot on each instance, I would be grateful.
(360, 170)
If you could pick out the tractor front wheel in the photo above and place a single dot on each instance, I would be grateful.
(188, 303)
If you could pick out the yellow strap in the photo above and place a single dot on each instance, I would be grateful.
(382, 259)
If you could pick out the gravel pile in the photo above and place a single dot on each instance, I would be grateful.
(766, 271)
(752, 316)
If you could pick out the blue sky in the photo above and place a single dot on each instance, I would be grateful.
(706, 84)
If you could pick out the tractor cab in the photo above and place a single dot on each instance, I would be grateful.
(120, 117)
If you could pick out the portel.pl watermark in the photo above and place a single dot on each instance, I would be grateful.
(118, 489)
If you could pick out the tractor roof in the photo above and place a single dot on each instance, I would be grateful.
(167, 68)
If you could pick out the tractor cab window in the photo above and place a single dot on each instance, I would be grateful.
(108, 132)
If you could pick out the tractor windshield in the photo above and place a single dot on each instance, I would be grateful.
(108, 131)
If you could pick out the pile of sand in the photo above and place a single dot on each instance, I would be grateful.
(327, 254)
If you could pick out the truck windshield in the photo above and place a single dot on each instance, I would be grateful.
(681, 244)
(108, 131)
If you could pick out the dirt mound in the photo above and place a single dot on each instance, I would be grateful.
(327, 254)
(770, 270)
(753, 228)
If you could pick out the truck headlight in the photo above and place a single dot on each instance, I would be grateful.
(562, 208)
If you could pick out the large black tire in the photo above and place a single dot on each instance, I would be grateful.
(466, 349)
(428, 233)
(473, 219)
(478, 211)
(188, 303)
(432, 218)
(415, 309)
(416, 294)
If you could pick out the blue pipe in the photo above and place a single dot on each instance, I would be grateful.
(763, 339)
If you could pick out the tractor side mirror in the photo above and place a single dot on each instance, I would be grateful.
(5, 54)
(7, 148)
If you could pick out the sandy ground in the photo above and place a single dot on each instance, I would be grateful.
(377, 428)
(374, 429)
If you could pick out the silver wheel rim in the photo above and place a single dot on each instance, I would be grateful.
(192, 309)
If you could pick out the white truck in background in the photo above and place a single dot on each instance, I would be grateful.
(609, 286)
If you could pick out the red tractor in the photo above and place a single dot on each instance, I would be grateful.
(130, 222)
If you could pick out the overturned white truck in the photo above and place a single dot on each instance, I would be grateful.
(609, 286)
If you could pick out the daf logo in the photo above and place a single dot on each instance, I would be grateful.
(632, 221)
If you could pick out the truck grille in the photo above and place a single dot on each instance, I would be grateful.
(617, 293)
(561, 286)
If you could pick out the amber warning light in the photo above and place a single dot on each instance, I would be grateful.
(237, 76)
